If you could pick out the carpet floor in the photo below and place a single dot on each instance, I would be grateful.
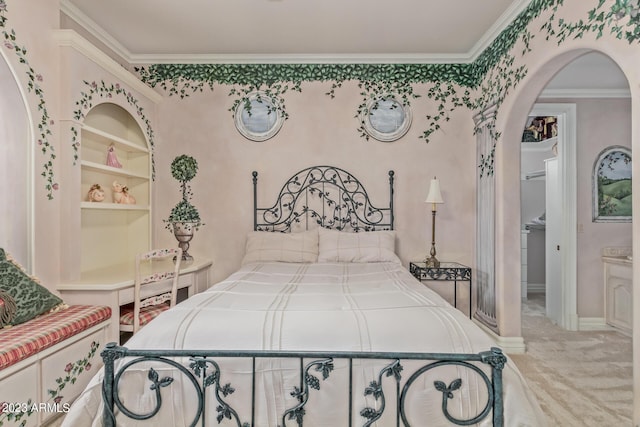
(580, 378)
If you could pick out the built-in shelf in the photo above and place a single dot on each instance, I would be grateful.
(107, 138)
(113, 206)
(87, 165)
(545, 145)
(113, 233)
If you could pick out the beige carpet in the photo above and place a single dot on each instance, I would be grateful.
(580, 378)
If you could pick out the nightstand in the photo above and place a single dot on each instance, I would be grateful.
(447, 272)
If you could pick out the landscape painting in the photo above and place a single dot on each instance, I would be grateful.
(612, 185)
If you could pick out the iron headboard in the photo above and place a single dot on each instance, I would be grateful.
(326, 196)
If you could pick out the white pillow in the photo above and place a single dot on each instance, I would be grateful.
(369, 246)
(263, 246)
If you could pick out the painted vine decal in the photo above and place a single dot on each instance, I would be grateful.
(108, 91)
(33, 86)
(490, 78)
(374, 92)
(275, 92)
(375, 80)
(451, 85)
(23, 410)
(622, 19)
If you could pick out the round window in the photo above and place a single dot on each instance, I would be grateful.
(387, 119)
(259, 118)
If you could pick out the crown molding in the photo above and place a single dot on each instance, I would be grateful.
(69, 38)
(498, 27)
(301, 59)
(585, 93)
(94, 29)
(100, 34)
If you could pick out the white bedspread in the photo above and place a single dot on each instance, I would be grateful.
(323, 307)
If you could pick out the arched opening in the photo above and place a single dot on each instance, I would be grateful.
(585, 296)
(16, 171)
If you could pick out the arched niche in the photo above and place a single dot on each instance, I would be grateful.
(115, 157)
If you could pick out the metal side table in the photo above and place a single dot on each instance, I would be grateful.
(447, 272)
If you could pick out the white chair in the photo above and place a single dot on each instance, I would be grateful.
(155, 270)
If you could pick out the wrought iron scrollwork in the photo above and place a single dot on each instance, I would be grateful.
(204, 374)
(197, 373)
(199, 367)
(495, 358)
(327, 196)
(302, 394)
(375, 389)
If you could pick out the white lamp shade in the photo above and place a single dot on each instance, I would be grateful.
(434, 192)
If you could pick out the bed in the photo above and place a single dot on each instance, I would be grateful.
(320, 326)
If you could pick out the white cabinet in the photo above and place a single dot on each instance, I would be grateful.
(111, 233)
(618, 283)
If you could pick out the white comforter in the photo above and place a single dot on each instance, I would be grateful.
(328, 307)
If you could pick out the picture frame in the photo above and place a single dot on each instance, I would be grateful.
(258, 118)
(386, 118)
(612, 189)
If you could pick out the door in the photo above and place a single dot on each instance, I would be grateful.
(553, 235)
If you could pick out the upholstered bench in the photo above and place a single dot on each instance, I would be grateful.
(41, 362)
(27, 339)
(46, 348)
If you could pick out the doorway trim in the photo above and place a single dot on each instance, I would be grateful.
(567, 165)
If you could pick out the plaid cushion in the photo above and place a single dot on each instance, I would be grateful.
(24, 340)
(147, 314)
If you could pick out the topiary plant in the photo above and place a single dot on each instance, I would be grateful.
(184, 169)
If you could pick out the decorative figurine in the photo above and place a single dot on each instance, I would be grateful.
(96, 194)
(112, 159)
(121, 194)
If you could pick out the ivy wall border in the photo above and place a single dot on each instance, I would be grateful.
(450, 85)
(491, 76)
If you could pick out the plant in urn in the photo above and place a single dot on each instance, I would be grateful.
(184, 218)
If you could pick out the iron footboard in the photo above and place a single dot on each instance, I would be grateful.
(204, 373)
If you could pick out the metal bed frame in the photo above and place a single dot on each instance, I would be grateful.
(204, 373)
(341, 202)
(328, 196)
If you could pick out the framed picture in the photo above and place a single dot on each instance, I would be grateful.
(612, 185)
(258, 118)
(386, 119)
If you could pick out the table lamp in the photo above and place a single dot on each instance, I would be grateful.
(434, 198)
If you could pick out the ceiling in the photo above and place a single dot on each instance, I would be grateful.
(320, 31)
(153, 31)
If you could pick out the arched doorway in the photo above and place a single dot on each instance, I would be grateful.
(16, 170)
(513, 117)
(599, 93)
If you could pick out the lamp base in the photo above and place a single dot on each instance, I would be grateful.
(432, 262)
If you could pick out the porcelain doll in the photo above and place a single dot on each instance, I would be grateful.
(112, 159)
(96, 194)
(121, 194)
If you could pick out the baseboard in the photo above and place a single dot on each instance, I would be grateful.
(594, 324)
(509, 345)
(536, 288)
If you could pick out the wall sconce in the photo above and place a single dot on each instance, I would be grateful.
(434, 198)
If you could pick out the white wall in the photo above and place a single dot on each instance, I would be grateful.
(320, 130)
(15, 170)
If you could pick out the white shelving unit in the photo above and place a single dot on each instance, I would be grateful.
(121, 230)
